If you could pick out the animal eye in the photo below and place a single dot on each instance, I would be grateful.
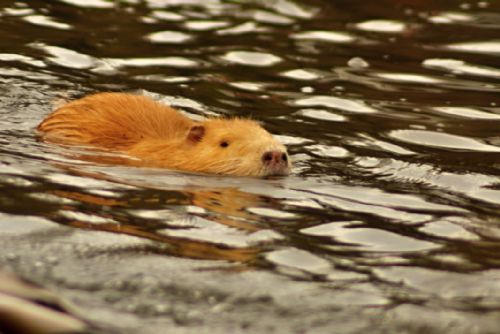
(224, 144)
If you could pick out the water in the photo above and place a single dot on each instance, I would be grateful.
(390, 110)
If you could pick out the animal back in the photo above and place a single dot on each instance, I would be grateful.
(114, 121)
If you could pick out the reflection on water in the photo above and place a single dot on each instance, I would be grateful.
(390, 111)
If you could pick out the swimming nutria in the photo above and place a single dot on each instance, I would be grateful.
(162, 137)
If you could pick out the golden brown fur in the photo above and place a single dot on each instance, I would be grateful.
(162, 137)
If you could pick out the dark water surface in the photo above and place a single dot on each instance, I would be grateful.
(390, 222)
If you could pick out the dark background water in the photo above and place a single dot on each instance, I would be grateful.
(390, 110)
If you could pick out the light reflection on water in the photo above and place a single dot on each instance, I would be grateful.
(391, 123)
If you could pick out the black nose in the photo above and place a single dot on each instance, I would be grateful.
(274, 157)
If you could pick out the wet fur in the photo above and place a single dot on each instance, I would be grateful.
(159, 135)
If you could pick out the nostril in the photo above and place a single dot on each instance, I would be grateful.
(267, 157)
(274, 157)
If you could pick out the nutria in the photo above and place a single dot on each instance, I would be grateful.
(162, 137)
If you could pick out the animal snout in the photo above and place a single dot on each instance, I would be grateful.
(274, 157)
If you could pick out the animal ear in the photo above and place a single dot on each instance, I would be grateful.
(196, 133)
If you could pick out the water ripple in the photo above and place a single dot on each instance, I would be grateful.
(450, 17)
(326, 36)
(90, 3)
(301, 74)
(164, 15)
(464, 112)
(46, 21)
(116, 63)
(170, 37)
(66, 57)
(204, 25)
(251, 58)
(335, 103)
(321, 114)
(383, 26)
(460, 67)
(8, 57)
(299, 260)
(486, 47)
(244, 28)
(442, 140)
(368, 238)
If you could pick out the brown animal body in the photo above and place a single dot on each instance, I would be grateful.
(162, 137)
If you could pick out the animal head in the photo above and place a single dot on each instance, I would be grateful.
(237, 147)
